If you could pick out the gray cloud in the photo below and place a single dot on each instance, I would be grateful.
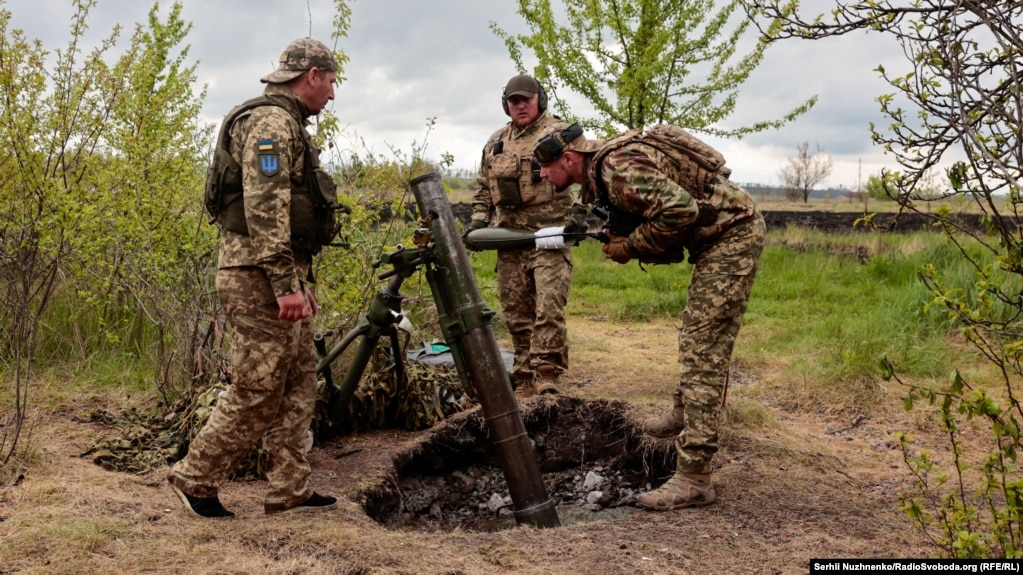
(415, 60)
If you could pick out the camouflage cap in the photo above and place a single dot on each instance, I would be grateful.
(299, 56)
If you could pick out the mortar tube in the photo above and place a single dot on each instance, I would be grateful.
(465, 321)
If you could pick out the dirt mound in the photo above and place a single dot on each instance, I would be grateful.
(592, 457)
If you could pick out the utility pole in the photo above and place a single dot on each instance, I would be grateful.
(859, 185)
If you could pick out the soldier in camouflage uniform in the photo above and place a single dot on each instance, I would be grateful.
(533, 284)
(263, 282)
(668, 194)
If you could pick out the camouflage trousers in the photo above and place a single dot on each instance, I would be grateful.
(533, 287)
(272, 396)
(718, 293)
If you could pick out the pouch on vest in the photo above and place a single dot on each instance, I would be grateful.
(314, 220)
(223, 180)
(504, 169)
(323, 190)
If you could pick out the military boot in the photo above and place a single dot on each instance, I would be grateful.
(546, 380)
(665, 426)
(682, 490)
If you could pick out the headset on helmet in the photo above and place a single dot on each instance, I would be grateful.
(542, 102)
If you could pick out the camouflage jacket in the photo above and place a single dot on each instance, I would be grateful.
(509, 191)
(268, 190)
(645, 183)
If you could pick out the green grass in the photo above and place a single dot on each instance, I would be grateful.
(836, 314)
(841, 314)
(626, 292)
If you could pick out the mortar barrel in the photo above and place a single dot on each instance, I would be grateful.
(468, 331)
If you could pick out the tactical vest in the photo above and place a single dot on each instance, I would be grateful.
(698, 168)
(514, 175)
(314, 206)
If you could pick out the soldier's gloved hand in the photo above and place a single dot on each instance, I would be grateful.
(576, 222)
(474, 225)
(619, 249)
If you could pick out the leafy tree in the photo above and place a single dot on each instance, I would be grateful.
(643, 62)
(804, 171)
(98, 213)
(958, 104)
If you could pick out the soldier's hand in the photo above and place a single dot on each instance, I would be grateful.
(618, 248)
(576, 222)
(293, 306)
(474, 225)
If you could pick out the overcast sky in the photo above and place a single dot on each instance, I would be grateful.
(416, 59)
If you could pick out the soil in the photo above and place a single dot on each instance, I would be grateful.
(815, 487)
(807, 486)
(592, 459)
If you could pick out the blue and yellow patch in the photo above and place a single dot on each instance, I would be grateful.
(269, 158)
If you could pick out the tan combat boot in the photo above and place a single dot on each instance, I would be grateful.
(546, 380)
(682, 490)
(665, 426)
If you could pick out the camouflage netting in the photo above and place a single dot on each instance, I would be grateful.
(426, 395)
(143, 441)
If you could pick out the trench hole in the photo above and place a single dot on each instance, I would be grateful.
(593, 458)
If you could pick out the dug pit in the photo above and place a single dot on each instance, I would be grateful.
(593, 458)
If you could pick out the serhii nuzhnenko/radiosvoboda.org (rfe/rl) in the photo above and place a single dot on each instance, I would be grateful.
(915, 565)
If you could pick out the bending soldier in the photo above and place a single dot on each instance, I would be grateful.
(668, 194)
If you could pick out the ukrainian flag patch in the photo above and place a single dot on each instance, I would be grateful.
(269, 159)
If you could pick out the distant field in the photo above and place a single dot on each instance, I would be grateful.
(461, 192)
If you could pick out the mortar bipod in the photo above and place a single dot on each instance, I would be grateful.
(383, 315)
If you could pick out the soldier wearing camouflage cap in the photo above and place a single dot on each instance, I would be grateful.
(668, 194)
(532, 284)
(264, 282)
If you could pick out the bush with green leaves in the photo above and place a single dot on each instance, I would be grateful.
(101, 249)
